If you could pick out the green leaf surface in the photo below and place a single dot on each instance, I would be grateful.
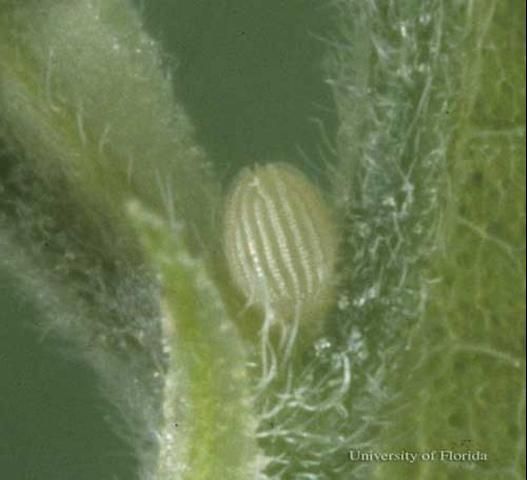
(461, 385)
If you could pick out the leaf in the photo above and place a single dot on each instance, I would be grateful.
(461, 384)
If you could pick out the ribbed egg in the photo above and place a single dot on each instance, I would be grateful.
(280, 241)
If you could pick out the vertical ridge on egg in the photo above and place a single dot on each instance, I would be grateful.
(279, 240)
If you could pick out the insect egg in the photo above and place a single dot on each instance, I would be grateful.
(280, 241)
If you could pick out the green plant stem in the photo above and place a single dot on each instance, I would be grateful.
(209, 430)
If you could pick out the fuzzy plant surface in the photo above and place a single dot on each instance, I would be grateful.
(123, 126)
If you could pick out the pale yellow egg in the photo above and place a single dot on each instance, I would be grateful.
(280, 241)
